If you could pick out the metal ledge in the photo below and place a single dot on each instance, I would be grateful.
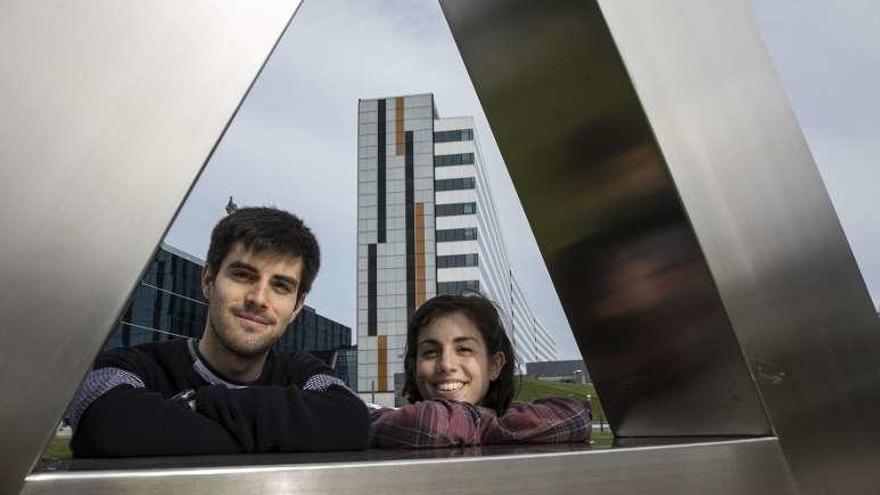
(753, 466)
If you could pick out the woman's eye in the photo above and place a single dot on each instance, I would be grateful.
(465, 350)
(429, 354)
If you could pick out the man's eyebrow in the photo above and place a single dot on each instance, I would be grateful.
(240, 265)
(290, 280)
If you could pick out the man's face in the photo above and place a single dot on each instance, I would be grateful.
(251, 299)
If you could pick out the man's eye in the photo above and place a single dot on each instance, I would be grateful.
(241, 275)
(283, 288)
(465, 350)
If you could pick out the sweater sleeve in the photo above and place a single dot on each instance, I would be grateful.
(305, 408)
(441, 423)
(427, 424)
(277, 418)
(116, 412)
(552, 420)
(127, 422)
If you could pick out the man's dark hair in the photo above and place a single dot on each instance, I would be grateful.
(484, 315)
(266, 230)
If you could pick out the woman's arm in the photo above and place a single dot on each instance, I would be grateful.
(427, 424)
(441, 423)
(552, 420)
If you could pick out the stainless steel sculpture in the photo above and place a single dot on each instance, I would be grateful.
(675, 201)
(671, 190)
(109, 112)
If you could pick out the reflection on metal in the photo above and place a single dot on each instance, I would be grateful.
(738, 467)
(625, 263)
(109, 111)
(684, 223)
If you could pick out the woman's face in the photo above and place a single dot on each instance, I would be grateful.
(452, 361)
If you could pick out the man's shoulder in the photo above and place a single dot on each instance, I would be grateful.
(296, 367)
(147, 354)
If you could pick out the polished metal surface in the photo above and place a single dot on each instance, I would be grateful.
(593, 182)
(110, 109)
(790, 284)
(753, 466)
(608, 128)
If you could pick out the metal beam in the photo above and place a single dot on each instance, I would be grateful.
(109, 112)
(684, 223)
(606, 214)
(733, 467)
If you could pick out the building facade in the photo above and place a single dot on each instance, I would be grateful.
(168, 304)
(427, 225)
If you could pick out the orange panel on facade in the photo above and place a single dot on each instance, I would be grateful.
(419, 210)
(398, 121)
(383, 363)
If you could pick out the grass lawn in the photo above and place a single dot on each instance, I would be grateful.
(58, 449)
(531, 389)
(602, 439)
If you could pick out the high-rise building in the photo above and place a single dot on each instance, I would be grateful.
(427, 225)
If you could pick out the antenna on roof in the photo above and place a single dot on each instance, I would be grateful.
(231, 206)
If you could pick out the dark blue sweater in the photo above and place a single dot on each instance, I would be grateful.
(124, 406)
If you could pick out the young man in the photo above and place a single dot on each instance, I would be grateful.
(228, 392)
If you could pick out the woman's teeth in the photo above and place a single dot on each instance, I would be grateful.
(449, 386)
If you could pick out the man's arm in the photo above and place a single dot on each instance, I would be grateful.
(127, 421)
(118, 412)
(115, 413)
(276, 418)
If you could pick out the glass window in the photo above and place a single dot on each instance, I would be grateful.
(456, 159)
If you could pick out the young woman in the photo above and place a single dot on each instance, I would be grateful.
(459, 367)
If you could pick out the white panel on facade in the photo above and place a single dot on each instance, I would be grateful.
(418, 112)
(395, 186)
(395, 173)
(453, 123)
(460, 196)
(456, 222)
(413, 124)
(453, 147)
(423, 148)
(366, 152)
(458, 274)
(366, 106)
(422, 100)
(422, 135)
(454, 172)
(459, 247)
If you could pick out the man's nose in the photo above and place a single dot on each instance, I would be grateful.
(257, 295)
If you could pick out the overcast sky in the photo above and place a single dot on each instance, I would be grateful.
(827, 55)
(293, 143)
